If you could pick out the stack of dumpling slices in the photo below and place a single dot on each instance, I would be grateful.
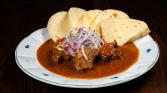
(110, 24)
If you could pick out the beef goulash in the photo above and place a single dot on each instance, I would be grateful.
(91, 44)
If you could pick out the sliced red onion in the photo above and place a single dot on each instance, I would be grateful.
(82, 37)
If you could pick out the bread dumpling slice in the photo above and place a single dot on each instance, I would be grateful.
(115, 13)
(61, 24)
(74, 14)
(106, 14)
(87, 19)
(123, 30)
(54, 26)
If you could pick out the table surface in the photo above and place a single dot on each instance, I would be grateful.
(19, 18)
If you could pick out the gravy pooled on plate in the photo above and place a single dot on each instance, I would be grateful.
(129, 56)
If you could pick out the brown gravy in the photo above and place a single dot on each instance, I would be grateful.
(130, 56)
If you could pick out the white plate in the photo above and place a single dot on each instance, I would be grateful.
(26, 59)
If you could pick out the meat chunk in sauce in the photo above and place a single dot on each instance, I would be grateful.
(109, 51)
(56, 55)
(81, 63)
(59, 56)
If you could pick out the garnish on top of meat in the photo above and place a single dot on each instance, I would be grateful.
(83, 37)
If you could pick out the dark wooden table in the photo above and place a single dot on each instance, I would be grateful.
(19, 18)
